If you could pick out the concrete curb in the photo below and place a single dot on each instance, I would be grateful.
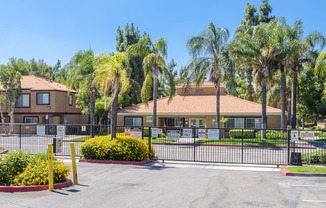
(4, 151)
(117, 162)
(67, 183)
(287, 173)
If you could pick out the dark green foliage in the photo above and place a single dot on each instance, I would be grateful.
(318, 157)
(239, 133)
(270, 134)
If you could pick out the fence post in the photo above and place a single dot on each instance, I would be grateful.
(150, 142)
(288, 137)
(20, 137)
(242, 147)
(194, 134)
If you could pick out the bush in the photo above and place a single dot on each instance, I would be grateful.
(124, 148)
(309, 124)
(237, 133)
(318, 157)
(18, 168)
(270, 134)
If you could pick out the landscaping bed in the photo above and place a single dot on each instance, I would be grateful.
(122, 150)
(3, 150)
(18, 169)
(304, 171)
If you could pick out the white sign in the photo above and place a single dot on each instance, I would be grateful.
(201, 133)
(61, 131)
(154, 132)
(83, 128)
(40, 129)
(46, 116)
(134, 132)
(307, 134)
(160, 131)
(173, 134)
(294, 135)
(187, 133)
(58, 145)
(213, 134)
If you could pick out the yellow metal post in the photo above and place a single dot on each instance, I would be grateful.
(73, 161)
(50, 159)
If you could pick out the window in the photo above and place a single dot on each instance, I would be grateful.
(30, 119)
(133, 121)
(43, 99)
(235, 123)
(149, 119)
(254, 123)
(70, 99)
(175, 122)
(7, 119)
(23, 101)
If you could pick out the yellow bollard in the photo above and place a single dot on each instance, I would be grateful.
(50, 159)
(73, 161)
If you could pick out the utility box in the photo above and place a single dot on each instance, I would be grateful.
(295, 158)
(57, 145)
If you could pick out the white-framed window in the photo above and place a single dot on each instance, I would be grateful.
(43, 98)
(253, 123)
(149, 119)
(70, 100)
(235, 123)
(133, 121)
(30, 119)
(23, 101)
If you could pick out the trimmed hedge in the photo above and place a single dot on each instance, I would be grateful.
(318, 157)
(125, 148)
(237, 133)
(270, 134)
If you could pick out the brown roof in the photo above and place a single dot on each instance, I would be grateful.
(37, 83)
(201, 104)
(202, 85)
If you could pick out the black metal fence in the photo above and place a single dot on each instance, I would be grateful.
(250, 146)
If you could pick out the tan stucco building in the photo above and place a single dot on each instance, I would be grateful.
(45, 102)
(198, 109)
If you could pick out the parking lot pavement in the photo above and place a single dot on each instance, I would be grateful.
(177, 185)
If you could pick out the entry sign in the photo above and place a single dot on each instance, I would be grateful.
(61, 131)
(187, 133)
(40, 129)
(154, 132)
(83, 128)
(134, 131)
(306, 134)
(202, 133)
(294, 135)
(160, 131)
(173, 134)
(213, 134)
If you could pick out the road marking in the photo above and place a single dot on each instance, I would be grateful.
(316, 201)
(311, 186)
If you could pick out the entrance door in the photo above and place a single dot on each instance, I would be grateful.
(197, 123)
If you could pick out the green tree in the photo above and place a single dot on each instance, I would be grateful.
(110, 72)
(11, 82)
(207, 49)
(264, 12)
(153, 65)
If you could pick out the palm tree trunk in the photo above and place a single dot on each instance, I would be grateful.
(92, 112)
(289, 113)
(283, 87)
(264, 108)
(250, 84)
(154, 101)
(218, 104)
(294, 100)
(114, 109)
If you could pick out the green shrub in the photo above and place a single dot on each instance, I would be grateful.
(124, 148)
(270, 134)
(309, 124)
(237, 133)
(318, 157)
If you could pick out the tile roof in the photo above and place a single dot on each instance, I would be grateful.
(36, 83)
(202, 85)
(201, 104)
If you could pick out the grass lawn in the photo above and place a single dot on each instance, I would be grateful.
(321, 135)
(252, 142)
(304, 169)
(161, 140)
(80, 138)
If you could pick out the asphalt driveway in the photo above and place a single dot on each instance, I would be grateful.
(177, 185)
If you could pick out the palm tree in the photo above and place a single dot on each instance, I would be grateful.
(207, 49)
(259, 48)
(110, 72)
(320, 67)
(80, 76)
(153, 65)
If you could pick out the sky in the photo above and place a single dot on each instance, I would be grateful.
(53, 30)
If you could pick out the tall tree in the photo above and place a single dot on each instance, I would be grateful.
(80, 75)
(264, 12)
(110, 72)
(207, 50)
(153, 65)
(11, 82)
